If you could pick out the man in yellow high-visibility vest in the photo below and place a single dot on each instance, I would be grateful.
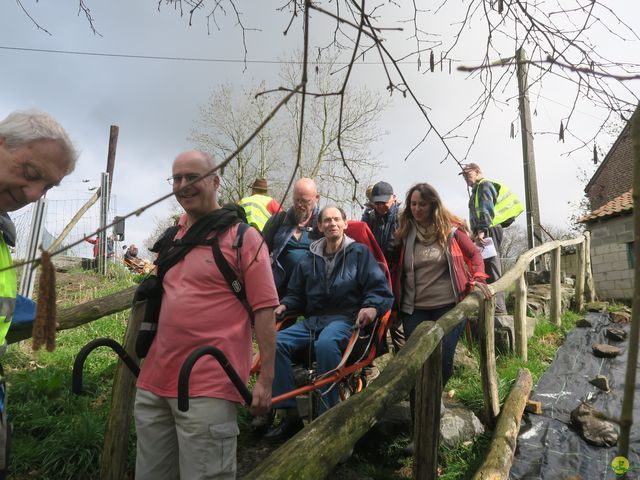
(35, 155)
(259, 206)
(491, 206)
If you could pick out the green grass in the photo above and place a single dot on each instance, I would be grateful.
(56, 434)
(463, 461)
(617, 307)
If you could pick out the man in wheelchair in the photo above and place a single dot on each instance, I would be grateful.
(337, 285)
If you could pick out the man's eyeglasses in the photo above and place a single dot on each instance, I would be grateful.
(190, 177)
(305, 202)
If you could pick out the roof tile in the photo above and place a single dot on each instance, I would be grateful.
(618, 205)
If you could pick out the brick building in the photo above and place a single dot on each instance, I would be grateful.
(611, 221)
(614, 176)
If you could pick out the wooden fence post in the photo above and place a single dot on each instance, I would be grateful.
(115, 451)
(426, 433)
(556, 298)
(579, 294)
(488, 361)
(314, 452)
(503, 446)
(520, 318)
(590, 288)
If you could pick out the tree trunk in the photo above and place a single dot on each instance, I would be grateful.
(500, 457)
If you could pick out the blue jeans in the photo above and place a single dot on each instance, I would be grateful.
(449, 341)
(329, 343)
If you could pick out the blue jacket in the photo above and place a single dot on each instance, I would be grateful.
(480, 219)
(277, 232)
(356, 281)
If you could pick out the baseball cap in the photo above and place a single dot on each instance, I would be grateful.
(381, 192)
(468, 167)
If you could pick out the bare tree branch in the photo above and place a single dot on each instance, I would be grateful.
(38, 26)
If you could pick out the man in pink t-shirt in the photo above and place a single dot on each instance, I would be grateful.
(199, 308)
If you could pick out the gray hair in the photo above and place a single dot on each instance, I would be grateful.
(23, 127)
(342, 212)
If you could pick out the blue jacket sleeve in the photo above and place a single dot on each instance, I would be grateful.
(487, 196)
(375, 287)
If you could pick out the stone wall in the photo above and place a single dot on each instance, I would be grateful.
(610, 238)
(569, 262)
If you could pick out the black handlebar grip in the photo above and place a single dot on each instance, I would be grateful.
(78, 364)
(187, 366)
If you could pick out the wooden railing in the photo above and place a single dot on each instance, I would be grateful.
(316, 450)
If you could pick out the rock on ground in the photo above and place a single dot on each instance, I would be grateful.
(592, 426)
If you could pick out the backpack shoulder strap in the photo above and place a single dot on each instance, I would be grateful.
(237, 287)
(165, 239)
(162, 246)
(237, 242)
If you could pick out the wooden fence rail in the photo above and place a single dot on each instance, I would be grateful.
(75, 316)
(316, 450)
(517, 275)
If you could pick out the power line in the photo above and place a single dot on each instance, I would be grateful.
(142, 57)
(199, 59)
(550, 100)
(180, 59)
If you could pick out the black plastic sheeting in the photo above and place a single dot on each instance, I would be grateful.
(548, 447)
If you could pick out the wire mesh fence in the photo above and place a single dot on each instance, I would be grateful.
(59, 212)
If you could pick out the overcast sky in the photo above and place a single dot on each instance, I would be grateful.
(155, 101)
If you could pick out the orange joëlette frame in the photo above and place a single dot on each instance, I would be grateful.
(343, 370)
(361, 233)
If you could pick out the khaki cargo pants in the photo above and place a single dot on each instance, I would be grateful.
(196, 445)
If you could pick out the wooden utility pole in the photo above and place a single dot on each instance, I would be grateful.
(111, 155)
(102, 236)
(106, 200)
(534, 233)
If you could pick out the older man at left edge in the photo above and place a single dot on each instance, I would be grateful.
(35, 155)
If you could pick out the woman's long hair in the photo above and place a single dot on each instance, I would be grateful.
(439, 217)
